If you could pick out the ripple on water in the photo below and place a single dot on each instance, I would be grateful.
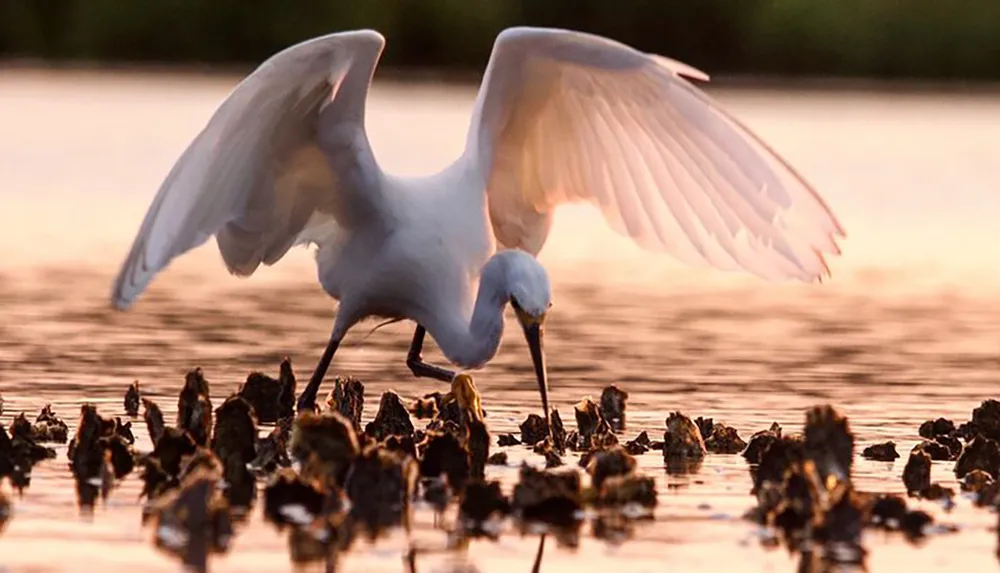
(717, 364)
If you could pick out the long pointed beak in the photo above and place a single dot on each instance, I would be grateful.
(532, 327)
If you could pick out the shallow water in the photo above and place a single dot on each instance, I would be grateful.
(906, 330)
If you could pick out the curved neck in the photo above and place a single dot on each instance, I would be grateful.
(472, 342)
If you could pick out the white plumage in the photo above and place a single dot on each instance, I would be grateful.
(561, 117)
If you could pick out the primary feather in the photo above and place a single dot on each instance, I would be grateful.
(254, 176)
(566, 117)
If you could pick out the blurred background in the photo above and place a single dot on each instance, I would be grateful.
(861, 38)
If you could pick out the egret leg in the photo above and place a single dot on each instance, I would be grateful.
(307, 401)
(538, 556)
(416, 363)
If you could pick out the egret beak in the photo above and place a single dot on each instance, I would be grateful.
(532, 326)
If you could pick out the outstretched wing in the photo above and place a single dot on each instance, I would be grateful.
(567, 117)
(254, 177)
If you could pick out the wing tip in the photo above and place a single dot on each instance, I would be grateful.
(681, 69)
(120, 304)
(124, 291)
(132, 279)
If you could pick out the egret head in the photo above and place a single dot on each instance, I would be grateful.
(531, 297)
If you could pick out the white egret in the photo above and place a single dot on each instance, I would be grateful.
(561, 117)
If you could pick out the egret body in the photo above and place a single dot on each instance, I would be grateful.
(561, 117)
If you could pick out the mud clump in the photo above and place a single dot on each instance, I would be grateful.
(573, 440)
(724, 440)
(124, 430)
(272, 449)
(783, 455)
(174, 445)
(98, 457)
(603, 464)
(558, 432)
(193, 521)
(623, 490)
(48, 428)
(535, 433)
(953, 443)
(982, 453)
(508, 440)
(887, 511)
(4, 511)
(424, 408)
(478, 444)
(153, 417)
(380, 485)
(639, 445)
(593, 430)
(325, 445)
(914, 524)
(804, 491)
(234, 444)
(884, 452)
(983, 487)
(162, 468)
(705, 426)
(931, 429)
(552, 459)
(917, 473)
(829, 442)
(445, 457)
(614, 480)
(938, 492)
(533, 430)
(314, 513)
(985, 421)
(392, 419)
(194, 407)
(132, 399)
(18, 455)
(348, 399)
(760, 442)
(682, 439)
(481, 510)
(20, 427)
(976, 480)
(937, 451)
(552, 498)
(840, 527)
(612, 407)
(291, 500)
(271, 399)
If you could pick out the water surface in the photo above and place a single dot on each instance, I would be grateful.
(907, 329)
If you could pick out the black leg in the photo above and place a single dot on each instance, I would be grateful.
(307, 401)
(416, 363)
(538, 557)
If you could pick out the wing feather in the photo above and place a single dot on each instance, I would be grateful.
(254, 177)
(566, 117)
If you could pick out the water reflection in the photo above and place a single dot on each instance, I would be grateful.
(682, 467)
(617, 527)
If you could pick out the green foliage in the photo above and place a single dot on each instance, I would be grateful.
(881, 38)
